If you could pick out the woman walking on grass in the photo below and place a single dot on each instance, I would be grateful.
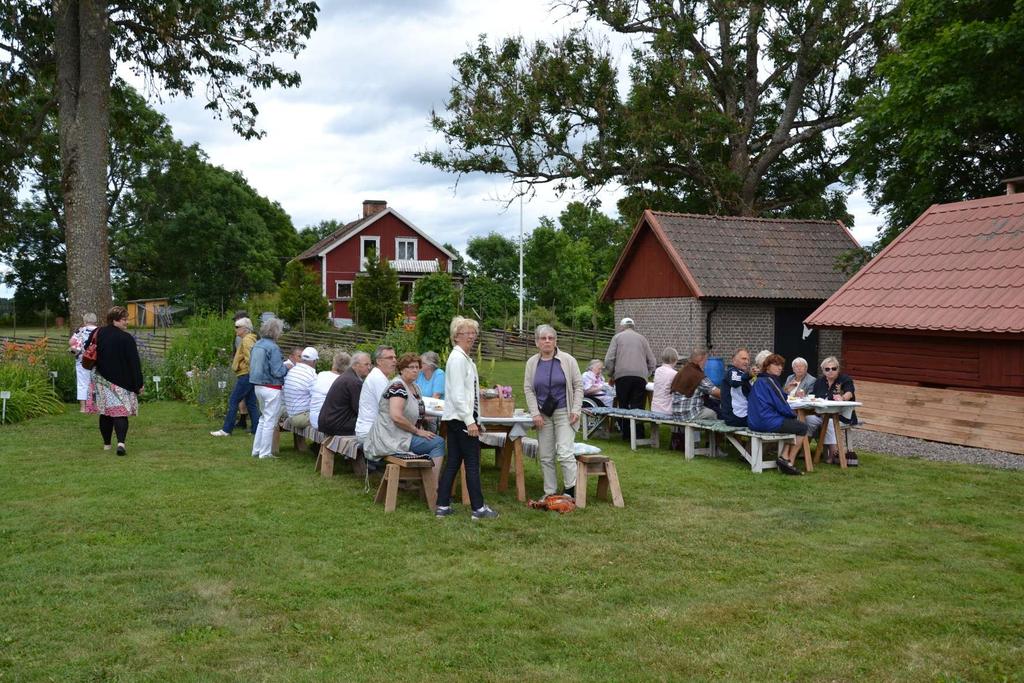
(116, 380)
(76, 345)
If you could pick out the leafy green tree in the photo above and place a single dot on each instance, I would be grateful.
(377, 296)
(437, 302)
(492, 284)
(947, 124)
(312, 234)
(727, 109)
(202, 231)
(63, 54)
(302, 297)
(458, 263)
(605, 237)
(557, 269)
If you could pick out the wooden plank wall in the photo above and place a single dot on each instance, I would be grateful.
(959, 362)
(968, 418)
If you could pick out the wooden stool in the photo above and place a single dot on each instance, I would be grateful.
(420, 470)
(603, 468)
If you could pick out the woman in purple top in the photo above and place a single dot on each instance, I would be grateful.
(554, 395)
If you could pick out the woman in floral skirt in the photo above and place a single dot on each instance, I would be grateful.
(116, 379)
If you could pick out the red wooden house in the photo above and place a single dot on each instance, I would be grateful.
(933, 327)
(341, 256)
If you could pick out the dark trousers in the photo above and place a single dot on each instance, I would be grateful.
(791, 425)
(109, 425)
(243, 391)
(631, 392)
(462, 448)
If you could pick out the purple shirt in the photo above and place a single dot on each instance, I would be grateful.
(555, 387)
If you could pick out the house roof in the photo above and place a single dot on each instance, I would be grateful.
(959, 267)
(349, 230)
(414, 266)
(748, 258)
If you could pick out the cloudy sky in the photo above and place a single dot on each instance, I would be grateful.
(371, 74)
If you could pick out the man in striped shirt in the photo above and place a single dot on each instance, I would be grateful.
(297, 386)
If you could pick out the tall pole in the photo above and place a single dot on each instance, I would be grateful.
(520, 261)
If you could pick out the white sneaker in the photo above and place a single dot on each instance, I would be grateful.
(220, 432)
(268, 457)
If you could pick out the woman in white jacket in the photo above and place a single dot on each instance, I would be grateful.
(554, 395)
(461, 412)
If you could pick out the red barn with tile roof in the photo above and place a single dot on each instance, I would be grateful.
(721, 282)
(933, 327)
(340, 257)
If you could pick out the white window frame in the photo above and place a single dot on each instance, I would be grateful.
(415, 248)
(339, 297)
(362, 249)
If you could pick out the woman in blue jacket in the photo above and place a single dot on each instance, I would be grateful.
(767, 411)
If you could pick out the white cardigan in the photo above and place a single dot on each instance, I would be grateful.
(461, 387)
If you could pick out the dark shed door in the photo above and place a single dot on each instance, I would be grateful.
(789, 341)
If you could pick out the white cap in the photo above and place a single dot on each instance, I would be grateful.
(244, 322)
(309, 353)
(626, 321)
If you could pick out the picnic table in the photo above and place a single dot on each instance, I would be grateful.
(510, 456)
(831, 411)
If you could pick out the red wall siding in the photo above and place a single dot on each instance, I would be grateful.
(648, 273)
(995, 365)
(343, 262)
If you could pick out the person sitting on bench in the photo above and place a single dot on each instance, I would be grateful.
(767, 411)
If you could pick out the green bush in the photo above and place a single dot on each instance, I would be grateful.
(209, 343)
(67, 382)
(31, 392)
(436, 304)
(397, 336)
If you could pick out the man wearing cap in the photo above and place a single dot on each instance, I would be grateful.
(243, 390)
(629, 362)
(298, 384)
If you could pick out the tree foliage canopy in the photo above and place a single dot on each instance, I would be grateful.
(436, 304)
(948, 124)
(377, 296)
(728, 106)
(302, 297)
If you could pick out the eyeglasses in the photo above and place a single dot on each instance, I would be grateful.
(830, 369)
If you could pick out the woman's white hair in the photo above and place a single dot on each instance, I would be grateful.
(831, 360)
(544, 329)
(594, 363)
(459, 323)
(89, 318)
(799, 361)
(272, 328)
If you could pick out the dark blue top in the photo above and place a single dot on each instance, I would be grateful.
(734, 378)
(556, 387)
(835, 391)
(767, 407)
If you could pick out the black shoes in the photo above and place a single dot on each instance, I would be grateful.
(121, 449)
(785, 467)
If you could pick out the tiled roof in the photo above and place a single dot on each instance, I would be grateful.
(758, 258)
(959, 268)
(330, 239)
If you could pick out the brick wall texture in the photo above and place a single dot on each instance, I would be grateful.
(681, 322)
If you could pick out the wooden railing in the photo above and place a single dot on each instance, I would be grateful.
(56, 344)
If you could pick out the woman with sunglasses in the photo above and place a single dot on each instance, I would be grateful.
(833, 386)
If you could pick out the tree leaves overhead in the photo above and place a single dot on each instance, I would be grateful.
(949, 123)
(727, 111)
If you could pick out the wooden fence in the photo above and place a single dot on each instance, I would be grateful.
(148, 342)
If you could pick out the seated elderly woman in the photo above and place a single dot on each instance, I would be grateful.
(661, 399)
(397, 428)
(800, 383)
(431, 377)
(833, 386)
(595, 386)
(767, 411)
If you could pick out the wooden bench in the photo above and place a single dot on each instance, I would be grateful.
(603, 468)
(420, 470)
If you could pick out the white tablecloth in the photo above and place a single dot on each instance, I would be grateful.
(844, 408)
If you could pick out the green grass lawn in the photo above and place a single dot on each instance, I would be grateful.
(188, 560)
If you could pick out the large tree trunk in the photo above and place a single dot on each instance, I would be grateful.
(83, 100)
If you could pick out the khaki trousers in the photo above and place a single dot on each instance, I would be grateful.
(555, 442)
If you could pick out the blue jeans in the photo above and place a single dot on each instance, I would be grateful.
(243, 391)
(432, 447)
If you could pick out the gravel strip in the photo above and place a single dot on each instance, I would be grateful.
(907, 447)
